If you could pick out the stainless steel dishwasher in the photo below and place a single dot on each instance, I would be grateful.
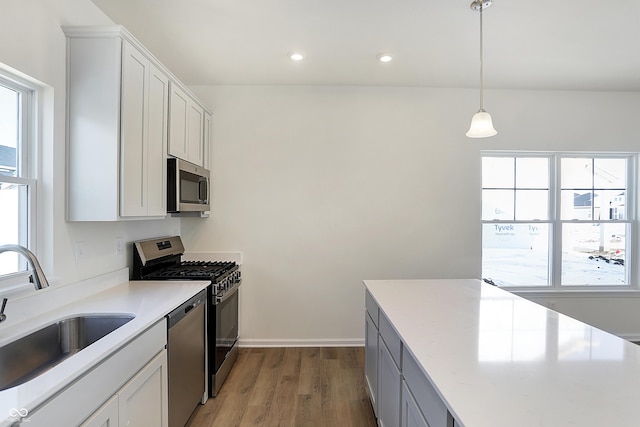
(186, 358)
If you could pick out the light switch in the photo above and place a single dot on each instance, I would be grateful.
(120, 245)
(80, 252)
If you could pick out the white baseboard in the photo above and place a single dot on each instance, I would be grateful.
(329, 342)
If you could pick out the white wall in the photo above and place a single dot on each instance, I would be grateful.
(32, 42)
(321, 187)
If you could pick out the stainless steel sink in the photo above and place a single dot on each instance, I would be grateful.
(31, 355)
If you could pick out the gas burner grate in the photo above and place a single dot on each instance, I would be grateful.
(196, 269)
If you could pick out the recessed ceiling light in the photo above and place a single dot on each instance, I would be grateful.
(296, 56)
(384, 57)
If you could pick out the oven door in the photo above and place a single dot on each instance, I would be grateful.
(226, 326)
(223, 335)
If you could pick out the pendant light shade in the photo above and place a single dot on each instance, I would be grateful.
(481, 123)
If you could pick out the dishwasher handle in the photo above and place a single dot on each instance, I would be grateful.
(185, 308)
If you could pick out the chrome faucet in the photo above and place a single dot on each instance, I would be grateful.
(37, 278)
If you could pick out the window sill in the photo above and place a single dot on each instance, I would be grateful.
(16, 285)
(576, 293)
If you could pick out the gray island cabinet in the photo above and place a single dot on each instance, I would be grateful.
(400, 394)
(454, 353)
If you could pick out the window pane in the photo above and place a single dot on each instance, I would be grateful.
(11, 196)
(577, 173)
(532, 204)
(516, 254)
(497, 204)
(609, 204)
(532, 172)
(576, 204)
(594, 254)
(9, 131)
(497, 172)
(610, 173)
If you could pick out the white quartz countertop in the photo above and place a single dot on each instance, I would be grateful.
(498, 360)
(149, 301)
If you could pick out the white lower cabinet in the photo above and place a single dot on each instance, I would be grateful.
(141, 402)
(410, 415)
(105, 416)
(129, 388)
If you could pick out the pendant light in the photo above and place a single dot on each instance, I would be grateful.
(481, 123)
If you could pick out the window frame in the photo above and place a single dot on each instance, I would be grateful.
(27, 168)
(556, 223)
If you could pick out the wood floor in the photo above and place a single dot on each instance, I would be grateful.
(291, 387)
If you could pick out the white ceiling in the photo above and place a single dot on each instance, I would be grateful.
(541, 44)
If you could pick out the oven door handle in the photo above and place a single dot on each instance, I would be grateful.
(229, 293)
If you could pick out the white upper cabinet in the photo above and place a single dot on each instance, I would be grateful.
(208, 123)
(186, 127)
(144, 112)
(158, 131)
(119, 101)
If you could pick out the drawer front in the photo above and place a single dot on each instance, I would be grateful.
(391, 339)
(372, 307)
(432, 407)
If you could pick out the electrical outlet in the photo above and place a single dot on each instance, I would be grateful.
(80, 252)
(120, 245)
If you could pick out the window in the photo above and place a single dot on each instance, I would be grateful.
(17, 183)
(557, 220)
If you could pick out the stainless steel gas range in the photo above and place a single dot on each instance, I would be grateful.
(161, 259)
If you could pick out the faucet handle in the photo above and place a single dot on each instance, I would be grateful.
(3, 316)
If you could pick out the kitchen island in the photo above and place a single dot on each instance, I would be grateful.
(465, 353)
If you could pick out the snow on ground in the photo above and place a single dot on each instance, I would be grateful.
(526, 267)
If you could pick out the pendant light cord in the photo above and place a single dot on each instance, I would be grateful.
(481, 55)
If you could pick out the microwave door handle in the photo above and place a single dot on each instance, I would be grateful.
(202, 191)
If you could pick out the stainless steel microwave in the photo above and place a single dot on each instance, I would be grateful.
(187, 187)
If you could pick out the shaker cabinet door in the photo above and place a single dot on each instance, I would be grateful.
(143, 401)
(371, 361)
(207, 140)
(143, 169)
(196, 134)
(105, 416)
(186, 127)
(135, 75)
(178, 123)
(389, 386)
(410, 413)
(156, 163)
